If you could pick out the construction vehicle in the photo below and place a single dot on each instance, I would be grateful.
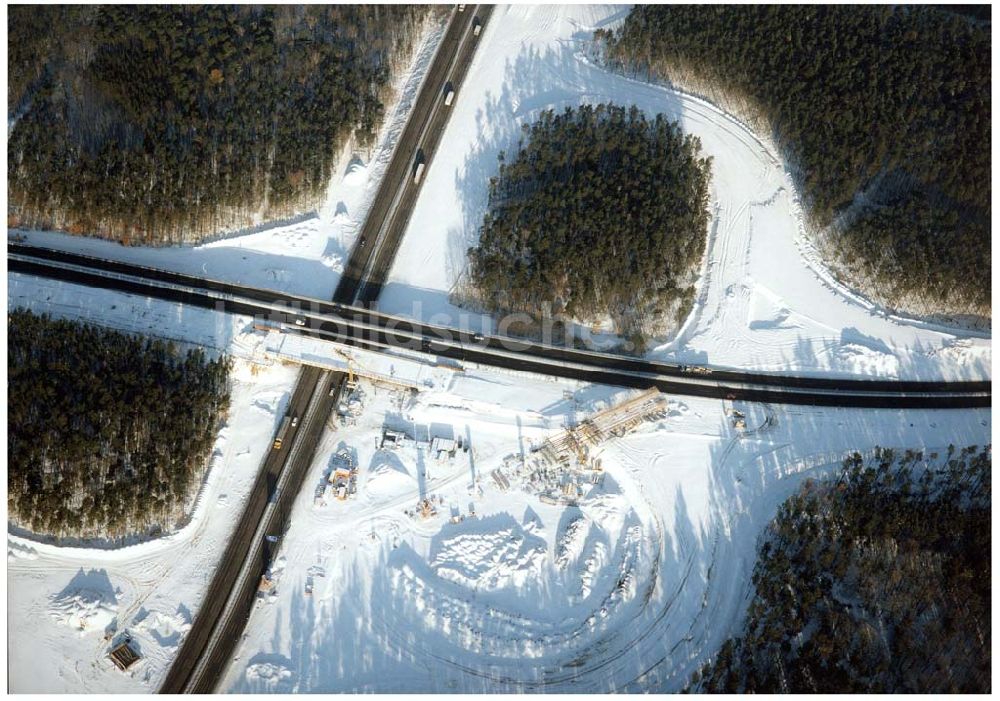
(281, 432)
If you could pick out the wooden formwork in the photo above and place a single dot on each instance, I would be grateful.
(613, 421)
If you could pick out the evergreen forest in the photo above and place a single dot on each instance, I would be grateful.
(883, 113)
(108, 434)
(602, 212)
(875, 582)
(163, 123)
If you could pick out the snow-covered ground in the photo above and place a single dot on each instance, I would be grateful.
(305, 255)
(61, 601)
(633, 589)
(765, 301)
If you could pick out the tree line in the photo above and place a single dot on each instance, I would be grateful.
(883, 112)
(601, 212)
(877, 581)
(108, 434)
(160, 123)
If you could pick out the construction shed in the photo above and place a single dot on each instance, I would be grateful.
(443, 448)
(124, 655)
(392, 439)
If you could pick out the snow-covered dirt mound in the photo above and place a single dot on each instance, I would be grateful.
(166, 629)
(269, 677)
(549, 586)
(17, 551)
(487, 556)
(89, 603)
(388, 477)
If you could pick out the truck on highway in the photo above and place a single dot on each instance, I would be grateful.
(449, 94)
(281, 432)
(418, 167)
(477, 27)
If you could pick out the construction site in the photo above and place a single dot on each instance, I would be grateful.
(566, 466)
(341, 483)
(271, 342)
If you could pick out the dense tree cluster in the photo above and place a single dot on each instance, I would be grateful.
(601, 212)
(107, 434)
(155, 123)
(884, 112)
(876, 582)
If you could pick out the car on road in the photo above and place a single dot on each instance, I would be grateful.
(300, 321)
(295, 421)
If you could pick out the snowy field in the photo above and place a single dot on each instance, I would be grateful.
(62, 601)
(632, 589)
(305, 255)
(765, 301)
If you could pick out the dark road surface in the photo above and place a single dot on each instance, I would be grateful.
(371, 258)
(209, 646)
(210, 620)
(365, 329)
(216, 631)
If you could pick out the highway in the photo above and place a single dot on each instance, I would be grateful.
(364, 329)
(371, 258)
(215, 633)
(227, 604)
(209, 645)
(362, 318)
